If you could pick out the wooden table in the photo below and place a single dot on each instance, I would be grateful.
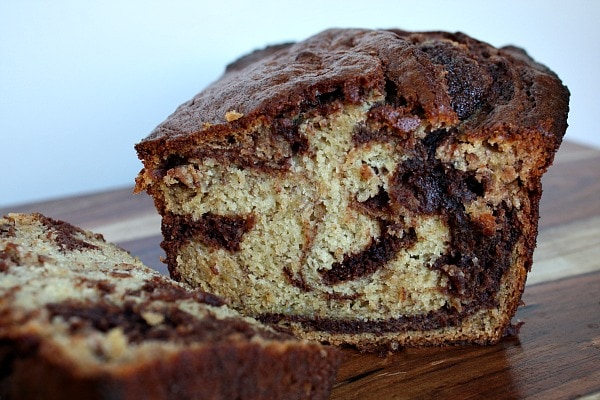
(556, 354)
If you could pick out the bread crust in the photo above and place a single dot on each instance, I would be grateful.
(349, 64)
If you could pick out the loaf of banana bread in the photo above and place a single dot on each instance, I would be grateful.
(369, 187)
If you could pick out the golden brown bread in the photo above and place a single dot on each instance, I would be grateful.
(370, 187)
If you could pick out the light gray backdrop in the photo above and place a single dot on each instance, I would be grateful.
(82, 81)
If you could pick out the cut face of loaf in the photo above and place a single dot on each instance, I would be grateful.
(82, 319)
(374, 188)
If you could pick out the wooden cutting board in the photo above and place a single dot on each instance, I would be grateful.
(556, 355)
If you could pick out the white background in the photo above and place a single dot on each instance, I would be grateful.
(82, 81)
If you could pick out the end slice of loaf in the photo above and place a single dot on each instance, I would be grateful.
(82, 319)
(370, 187)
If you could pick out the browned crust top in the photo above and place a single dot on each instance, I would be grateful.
(453, 79)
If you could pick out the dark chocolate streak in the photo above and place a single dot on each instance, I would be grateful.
(426, 186)
(178, 326)
(265, 148)
(431, 320)
(158, 290)
(297, 280)
(481, 258)
(375, 256)
(467, 85)
(212, 230)
(64, 235)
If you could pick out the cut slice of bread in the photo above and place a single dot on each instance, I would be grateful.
(81, 318)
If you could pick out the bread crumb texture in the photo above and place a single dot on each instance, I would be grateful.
(310, 218)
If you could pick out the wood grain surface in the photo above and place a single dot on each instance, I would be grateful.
(556, 355)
